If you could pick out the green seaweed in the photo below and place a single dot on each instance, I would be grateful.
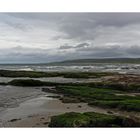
(91, 119)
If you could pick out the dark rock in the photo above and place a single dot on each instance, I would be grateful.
(45, 123)
(13, 120)
(79, 106)
(49, 89)
(54, 96)
(109, 112)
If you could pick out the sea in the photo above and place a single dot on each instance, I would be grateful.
(102, 67)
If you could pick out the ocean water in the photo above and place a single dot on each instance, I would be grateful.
(120, 68)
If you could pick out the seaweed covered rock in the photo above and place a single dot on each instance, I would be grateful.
(26, 82)
(91, 119)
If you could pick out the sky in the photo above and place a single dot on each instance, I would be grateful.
(49, 37)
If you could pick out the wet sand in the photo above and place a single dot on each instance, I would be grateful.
(37, 112)
(30, 112)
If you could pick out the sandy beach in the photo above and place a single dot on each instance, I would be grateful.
(33, 107)
(25, 106)
(37, 112)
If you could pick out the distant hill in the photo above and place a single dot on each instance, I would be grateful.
(93, 61)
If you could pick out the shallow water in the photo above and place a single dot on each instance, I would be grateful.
(11, 96)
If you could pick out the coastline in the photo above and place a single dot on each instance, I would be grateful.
(31, 106)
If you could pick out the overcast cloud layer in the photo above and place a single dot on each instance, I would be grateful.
(47, 37)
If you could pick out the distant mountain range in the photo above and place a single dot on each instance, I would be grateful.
(92, 61)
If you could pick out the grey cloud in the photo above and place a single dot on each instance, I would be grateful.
(95, 54)
(112, 51)
(17, 25)
(25, 55)
(36, 37)
(134, 50)
(104, 51)
(81, 45)
(81, 25)
(86, 25)
(66, 47)
(115, 19)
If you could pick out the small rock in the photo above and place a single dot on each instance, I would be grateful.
(109, 112)
(13, 120)
(42, 118)
(79, 106)
(45, 123)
